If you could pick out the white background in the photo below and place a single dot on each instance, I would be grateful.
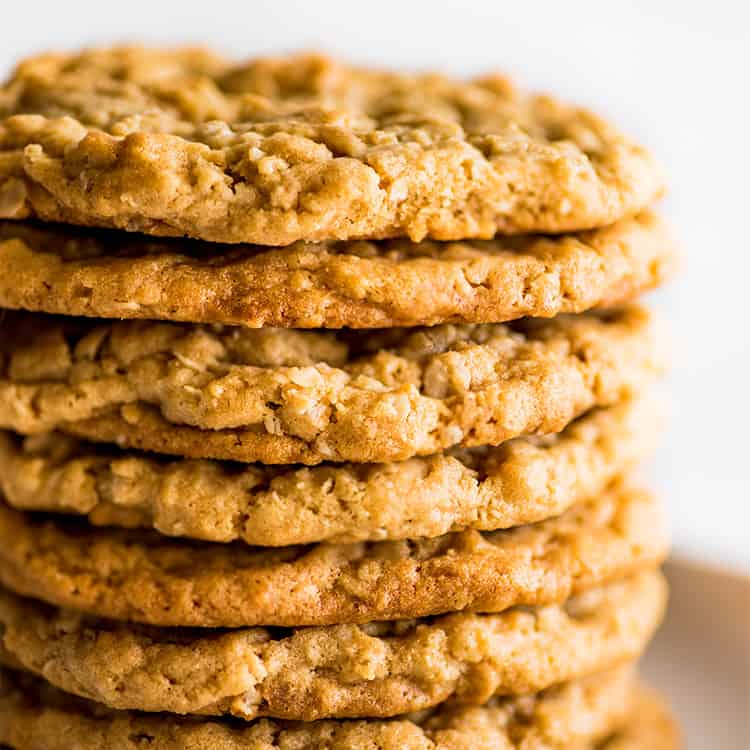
(675, 74)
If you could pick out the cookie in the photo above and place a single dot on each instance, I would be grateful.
(651, 726)
(341, 671)
(34, 715)
(354, 284)
(522, 481)
(286, 396)
(143, 577)
(303, 148)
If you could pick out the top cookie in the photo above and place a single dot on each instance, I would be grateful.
(272, 151)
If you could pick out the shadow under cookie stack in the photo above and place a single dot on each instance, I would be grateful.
(320, 392)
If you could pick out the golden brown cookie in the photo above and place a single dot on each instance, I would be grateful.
(303, 148)
(651, 726)
(286, 396)
(143, 577)
(34, 715)
(331, 285)
(522, 481)
(341, 671)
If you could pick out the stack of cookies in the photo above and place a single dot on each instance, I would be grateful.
(320, 389)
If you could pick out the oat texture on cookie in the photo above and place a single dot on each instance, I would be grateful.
(522, 481)
(354, 284)
(272, 151)
(579, 713)
(371, 670)
(137, 576)
(281, 396)
(321, 392)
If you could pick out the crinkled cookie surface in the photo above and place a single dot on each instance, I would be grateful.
(285, 396)
(343, 671)
(354, 284)
(522, 481)
(145, 577)
(579, 714)
(272, 151)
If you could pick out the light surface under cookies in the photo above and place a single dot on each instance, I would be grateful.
(522, 481)
(34, 716)
(340, 671)
(303, 147)
(330, 285)
(143, 577)
(282, 396)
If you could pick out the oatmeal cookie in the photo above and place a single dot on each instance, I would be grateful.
(34, 715)
(330, 285)
(271, 151)
(374, 670)
(522, 481)
(287, 396)
(143, 577)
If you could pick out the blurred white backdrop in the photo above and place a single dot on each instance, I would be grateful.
(674, 74)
